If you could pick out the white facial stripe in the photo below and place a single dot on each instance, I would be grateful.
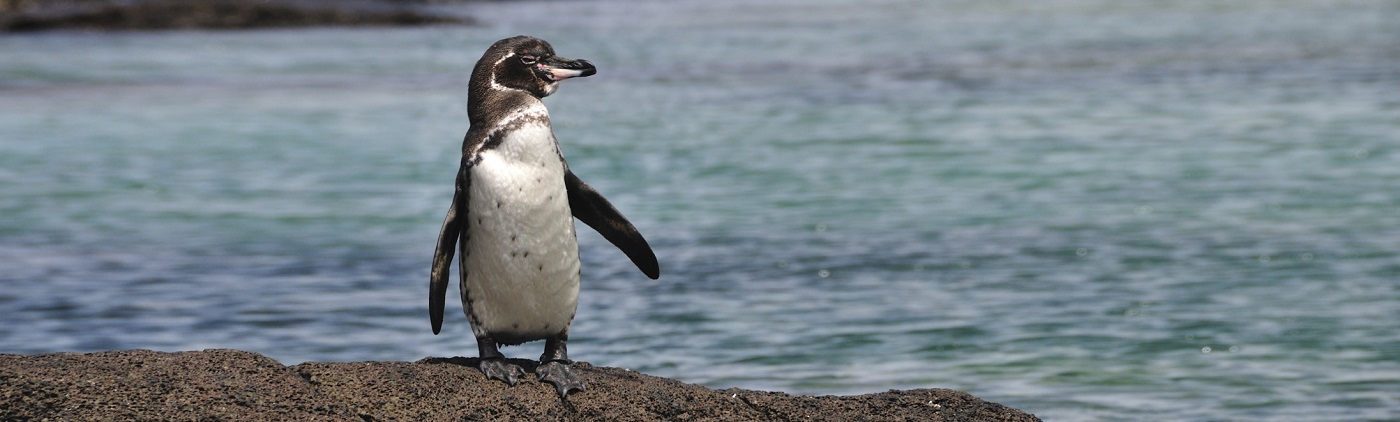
(503, 59)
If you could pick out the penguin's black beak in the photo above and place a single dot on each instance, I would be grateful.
(559, 68)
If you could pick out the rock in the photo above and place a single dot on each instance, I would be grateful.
(238, 385)
(34, 15)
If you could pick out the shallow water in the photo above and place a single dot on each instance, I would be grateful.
(1088, 210)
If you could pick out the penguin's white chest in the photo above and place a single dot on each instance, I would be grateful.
(522, 268)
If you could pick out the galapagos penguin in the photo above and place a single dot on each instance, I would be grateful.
(511, 217)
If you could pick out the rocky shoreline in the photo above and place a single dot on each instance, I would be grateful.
(109, 15)
(237, 385)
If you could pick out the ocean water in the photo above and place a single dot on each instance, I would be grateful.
(1089, 210)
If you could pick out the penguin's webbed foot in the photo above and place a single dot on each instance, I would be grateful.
(560, 374)
(498, 368)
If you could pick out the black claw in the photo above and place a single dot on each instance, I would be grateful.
(499, 369)
(563, 378)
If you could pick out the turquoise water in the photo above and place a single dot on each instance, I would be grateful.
(1089, 210)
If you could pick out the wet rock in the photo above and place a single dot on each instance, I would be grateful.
(35, 15)
(238, 385)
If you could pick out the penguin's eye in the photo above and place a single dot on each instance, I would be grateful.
(529, 60)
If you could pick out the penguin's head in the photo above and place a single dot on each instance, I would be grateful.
(527, 64)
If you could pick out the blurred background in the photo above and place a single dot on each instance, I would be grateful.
(1085, 209)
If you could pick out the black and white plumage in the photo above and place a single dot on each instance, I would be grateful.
(511, 217)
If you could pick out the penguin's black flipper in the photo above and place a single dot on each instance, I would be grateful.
(592, 209)
(452, 228)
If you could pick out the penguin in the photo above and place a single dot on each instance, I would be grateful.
(512, 215)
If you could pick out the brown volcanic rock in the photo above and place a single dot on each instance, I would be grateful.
(237, 385)
(146, 385)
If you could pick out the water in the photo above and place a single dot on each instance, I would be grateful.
(1090, 210)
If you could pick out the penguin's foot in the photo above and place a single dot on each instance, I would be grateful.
(561, 375)
(499, 369)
